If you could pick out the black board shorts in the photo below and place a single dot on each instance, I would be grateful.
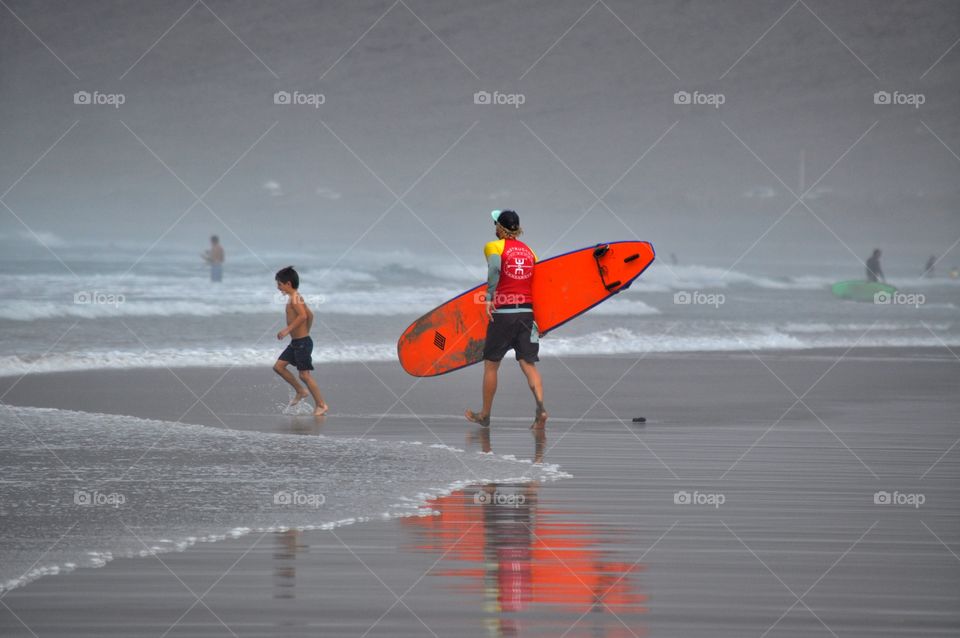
(512, 330)
(299, 353)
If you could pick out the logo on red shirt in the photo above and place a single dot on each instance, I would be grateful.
(517, 262)
(516, 275)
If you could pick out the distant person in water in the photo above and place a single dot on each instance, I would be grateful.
(215, 258)
(300, 351)
(874, 272)
(931, 263)
(509, 307)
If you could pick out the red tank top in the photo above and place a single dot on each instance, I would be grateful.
(516, 274)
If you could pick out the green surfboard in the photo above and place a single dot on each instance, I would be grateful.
(861, 290)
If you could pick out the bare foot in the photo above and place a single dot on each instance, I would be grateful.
(478, 418)
(303, 394)
(321, 410)
(541, 418)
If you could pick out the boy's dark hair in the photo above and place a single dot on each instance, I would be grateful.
(288, 276)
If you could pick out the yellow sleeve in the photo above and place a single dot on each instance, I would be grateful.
(494, 247)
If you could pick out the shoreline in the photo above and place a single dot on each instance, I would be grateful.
(131, 361)
(422, 504)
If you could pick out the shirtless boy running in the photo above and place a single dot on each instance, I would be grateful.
(299, 322)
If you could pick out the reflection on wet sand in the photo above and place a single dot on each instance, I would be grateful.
(287, 547)
(495, 541)
(307, 425)
(289, 543)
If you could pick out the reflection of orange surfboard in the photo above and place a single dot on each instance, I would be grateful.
(523, 555)
(451, 335)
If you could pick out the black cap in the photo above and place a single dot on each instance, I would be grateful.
(507, 218)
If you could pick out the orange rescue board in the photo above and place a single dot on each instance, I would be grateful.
(451, 336)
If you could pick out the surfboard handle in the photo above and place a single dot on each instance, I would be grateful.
(599, 252)
(631, 258)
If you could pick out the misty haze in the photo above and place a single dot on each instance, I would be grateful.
(738, 347)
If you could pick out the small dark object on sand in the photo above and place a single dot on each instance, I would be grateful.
(639, 419)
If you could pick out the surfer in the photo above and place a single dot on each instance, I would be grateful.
(300, 349)
(509, 306)
(874, 273)
(215, 258)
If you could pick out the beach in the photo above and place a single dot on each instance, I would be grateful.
(735, 226)
(777, 493)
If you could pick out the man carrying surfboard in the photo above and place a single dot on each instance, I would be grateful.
(509, 306)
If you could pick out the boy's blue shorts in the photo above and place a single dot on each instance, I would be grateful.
(299, 353)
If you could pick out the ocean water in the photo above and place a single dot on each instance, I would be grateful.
(81, 489)
(108, 308)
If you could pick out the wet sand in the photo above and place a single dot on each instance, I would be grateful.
(744, 506)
